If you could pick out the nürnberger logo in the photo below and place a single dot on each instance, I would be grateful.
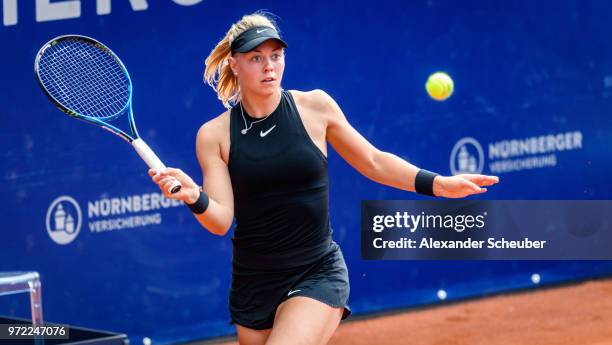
(64, 219)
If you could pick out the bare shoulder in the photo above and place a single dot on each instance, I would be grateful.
(215, 127)
(321, 103)
(213, 135)
(315, 100)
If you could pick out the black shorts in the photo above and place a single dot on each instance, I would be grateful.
(256, 294)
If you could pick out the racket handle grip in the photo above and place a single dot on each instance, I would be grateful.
(147, 155)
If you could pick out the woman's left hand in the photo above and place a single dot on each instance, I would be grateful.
(460, 186)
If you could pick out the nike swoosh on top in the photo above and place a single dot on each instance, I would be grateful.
(260, 31)
(263, 134)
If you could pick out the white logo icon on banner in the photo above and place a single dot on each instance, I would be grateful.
(467, 157)
(64, 220)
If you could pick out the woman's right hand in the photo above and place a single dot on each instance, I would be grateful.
(189, 192)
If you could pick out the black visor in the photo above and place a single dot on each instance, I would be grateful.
(248, 40)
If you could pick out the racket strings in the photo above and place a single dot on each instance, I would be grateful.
(98, 84)
(85, 79)
(89, 84)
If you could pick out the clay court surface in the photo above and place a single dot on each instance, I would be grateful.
(577, 314)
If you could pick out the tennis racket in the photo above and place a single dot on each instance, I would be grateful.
(87, 81)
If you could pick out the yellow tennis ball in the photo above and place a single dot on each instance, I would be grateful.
(439, 86)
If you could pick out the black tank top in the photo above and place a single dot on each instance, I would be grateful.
(280, 183)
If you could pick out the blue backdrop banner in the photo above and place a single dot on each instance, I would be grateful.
(532, 100)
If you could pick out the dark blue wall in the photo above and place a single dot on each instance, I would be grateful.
(522, 70)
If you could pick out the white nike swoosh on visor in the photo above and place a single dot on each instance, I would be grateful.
(263, 134)
(292, 292)
(260, 31)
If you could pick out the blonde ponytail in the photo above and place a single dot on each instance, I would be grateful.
(218, 73)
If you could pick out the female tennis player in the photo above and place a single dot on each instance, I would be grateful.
(264, 162)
